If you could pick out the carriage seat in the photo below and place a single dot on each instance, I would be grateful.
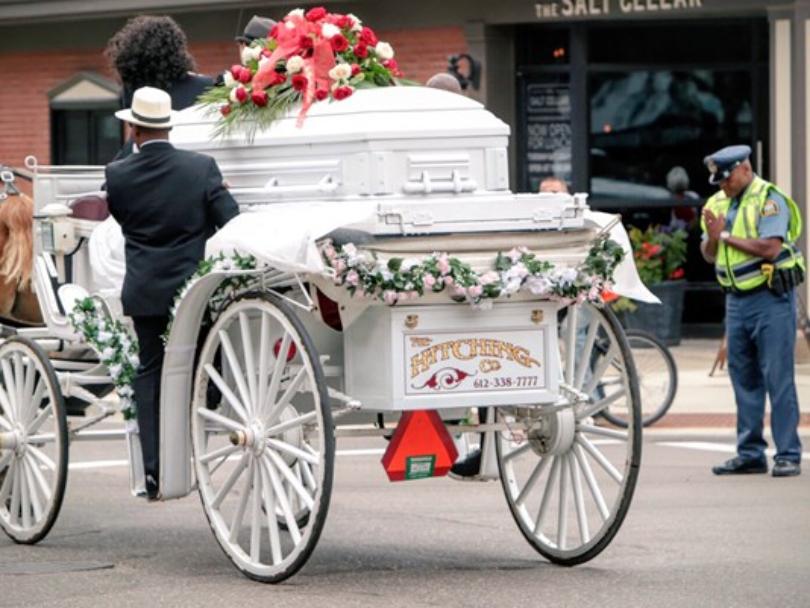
(90, 207)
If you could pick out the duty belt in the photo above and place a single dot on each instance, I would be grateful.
(753, 268)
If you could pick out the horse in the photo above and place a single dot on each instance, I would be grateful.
(18, 302)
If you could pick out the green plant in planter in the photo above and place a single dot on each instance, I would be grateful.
(659, 253)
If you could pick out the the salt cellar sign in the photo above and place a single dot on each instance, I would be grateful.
(563, 9)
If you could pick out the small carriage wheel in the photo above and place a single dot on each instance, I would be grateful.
(264, 444)
(33, 442)
(568, 481)
(657, 378)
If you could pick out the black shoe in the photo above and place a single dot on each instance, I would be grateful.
(786, 468)
(740, 466)
(152, 489)
(469, 467)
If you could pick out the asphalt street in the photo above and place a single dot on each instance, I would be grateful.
(690, 539)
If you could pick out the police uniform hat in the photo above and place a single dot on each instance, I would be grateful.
(722, 163)
(257, 27)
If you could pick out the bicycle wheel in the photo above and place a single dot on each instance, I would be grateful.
(657, 375)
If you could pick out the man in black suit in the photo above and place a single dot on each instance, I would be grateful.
(168, 203)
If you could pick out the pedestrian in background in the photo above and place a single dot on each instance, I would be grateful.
(750, 231)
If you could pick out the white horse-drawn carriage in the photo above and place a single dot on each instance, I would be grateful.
(251, 401)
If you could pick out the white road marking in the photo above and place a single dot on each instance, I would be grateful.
(706, 446)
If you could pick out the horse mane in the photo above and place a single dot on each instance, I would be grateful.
(16, 239)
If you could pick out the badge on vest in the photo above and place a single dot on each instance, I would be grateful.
(771, 207)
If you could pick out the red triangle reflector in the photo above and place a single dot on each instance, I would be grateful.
(421, 447)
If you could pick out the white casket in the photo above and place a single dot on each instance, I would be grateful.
(432, 162)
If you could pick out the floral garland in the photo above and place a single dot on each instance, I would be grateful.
(227, 290)
(307, 57)
(115, 345)
(402, 279)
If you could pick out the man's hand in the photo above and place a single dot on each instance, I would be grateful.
(715, 224)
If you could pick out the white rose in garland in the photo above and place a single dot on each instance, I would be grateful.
(295, 64)
(384, 51)
(115, 345)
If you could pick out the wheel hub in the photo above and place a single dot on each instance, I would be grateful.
(553, 433)
(13, 440)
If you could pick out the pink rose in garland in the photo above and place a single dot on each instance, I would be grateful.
(309, 56)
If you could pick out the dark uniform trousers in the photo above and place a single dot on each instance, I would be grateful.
(147, 390)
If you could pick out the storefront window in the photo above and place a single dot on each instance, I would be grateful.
(548, 129)
(645, 122)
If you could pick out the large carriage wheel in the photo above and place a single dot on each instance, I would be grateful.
(263, 438)
(33, 442)
(568, 481)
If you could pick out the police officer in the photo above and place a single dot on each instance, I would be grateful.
(750, 231)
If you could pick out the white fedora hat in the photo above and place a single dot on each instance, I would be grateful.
(151, 108)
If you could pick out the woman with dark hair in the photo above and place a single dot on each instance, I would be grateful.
(152, 51)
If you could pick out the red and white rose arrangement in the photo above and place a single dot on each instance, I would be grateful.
(307, 57)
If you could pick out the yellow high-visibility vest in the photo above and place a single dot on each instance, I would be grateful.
(736, 269)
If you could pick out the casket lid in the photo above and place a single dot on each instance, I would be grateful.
(370, 114)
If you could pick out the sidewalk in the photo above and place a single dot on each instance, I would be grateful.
(708, 402)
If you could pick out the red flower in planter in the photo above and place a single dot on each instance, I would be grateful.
(676, 274)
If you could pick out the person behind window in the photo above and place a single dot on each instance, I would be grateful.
(554, 185)
(684, 215)
(444, 81)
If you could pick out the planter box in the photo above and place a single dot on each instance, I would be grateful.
(662, 320)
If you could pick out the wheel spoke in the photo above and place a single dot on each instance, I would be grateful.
(571, 343)
(220, 419)
(16, 491)
(517, 452)
(600, 369)
(230, 481)
(599, 457)
(223, 451)
(250, 362)
(292, 388)
(42, 457)
(281, 497)
(19, 381)
(32, 490)
(309, 478)
(264, 355)
(562, 514)
(5, 397)
(275, 379)
(29, 373)
(226, 392)
(5, 459)
(576, 486)
(34, 405)
(272, 522)
(291, 424)
(552, 479)
(5, 423)
(294, 482)
(256, 520)
(292, 450)
(585, 354)
(238, 375)
(8, 483)
(595, 408)
(239, 516)
(40, 479)
(593, 486)
(42, 416)
(532, 480)
(598, 430)
(41, 438)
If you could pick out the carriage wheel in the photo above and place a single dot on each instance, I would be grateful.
(33, 442)
(568, 481)
(263, 438)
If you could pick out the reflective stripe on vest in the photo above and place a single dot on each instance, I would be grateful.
(741, 271)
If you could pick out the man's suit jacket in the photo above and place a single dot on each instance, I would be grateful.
(168, 203)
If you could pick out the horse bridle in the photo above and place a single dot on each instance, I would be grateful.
(9, 189)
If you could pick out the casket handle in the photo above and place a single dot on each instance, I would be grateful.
(425, 185)
(326, 185)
